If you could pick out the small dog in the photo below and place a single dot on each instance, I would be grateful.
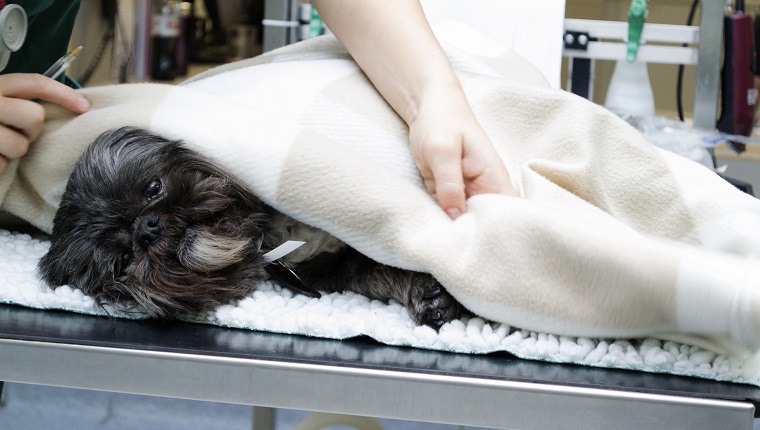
(146, 221)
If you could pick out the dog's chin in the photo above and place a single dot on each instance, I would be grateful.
(196, 273)
(193, 265)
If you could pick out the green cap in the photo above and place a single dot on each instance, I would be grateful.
(637, 14)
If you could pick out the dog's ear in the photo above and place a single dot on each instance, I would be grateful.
(51, 270)
(193, 160)
(68, 262)
(56, 267)
(59, 266)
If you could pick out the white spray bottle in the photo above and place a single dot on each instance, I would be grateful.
(630, 90)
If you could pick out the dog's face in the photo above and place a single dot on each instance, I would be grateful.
(144, 220)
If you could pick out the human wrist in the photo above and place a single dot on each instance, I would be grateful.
(442, 95)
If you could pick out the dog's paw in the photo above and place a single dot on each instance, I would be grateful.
(432, 305)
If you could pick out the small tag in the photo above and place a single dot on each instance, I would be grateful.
(288, 278)
(282, 250)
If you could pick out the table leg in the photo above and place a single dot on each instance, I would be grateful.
(263, 418)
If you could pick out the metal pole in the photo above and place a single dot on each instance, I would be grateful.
(708, 66)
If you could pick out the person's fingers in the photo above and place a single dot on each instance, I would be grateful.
(445, 163)
(24, 116)
(451, 197)
(483, 169)
(20, 122)
(12, 143)
(21, 119)
(3, 164)
(33, 86)
(456, 158)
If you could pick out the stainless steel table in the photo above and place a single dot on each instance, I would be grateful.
(357, 377)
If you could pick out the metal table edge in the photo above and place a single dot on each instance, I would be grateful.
(358, 391)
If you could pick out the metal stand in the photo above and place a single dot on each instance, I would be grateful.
(280, 23)
(263, 418)
(605, 40)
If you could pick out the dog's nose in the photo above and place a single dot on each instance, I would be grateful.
(149, 230)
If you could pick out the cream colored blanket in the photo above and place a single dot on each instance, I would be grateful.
(609, 238)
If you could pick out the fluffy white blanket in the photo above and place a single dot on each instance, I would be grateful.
(342, 316)
(610, 238)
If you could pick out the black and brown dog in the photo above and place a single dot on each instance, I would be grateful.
(146, 221)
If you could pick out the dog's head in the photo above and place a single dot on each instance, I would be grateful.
(145, 220)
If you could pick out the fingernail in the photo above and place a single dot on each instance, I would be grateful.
(454, 213)
(84, 104)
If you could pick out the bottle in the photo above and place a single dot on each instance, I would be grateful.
(164, 34)
(630, 90)
(737, 101)
(184, 40)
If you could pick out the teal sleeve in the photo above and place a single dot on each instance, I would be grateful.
(47, 39)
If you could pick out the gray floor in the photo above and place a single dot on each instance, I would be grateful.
(40, 407)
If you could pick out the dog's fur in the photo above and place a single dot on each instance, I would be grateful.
(147, 221)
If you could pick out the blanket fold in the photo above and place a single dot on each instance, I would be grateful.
(610, 237)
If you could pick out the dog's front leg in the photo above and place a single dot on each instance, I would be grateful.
(426, 300)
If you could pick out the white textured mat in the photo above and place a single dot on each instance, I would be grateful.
(341, 316)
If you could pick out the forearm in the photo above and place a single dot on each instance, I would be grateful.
(395, 47)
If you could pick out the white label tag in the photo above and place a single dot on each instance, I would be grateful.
(283, 250)
(165, 26)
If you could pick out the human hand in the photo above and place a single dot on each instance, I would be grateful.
(453, 153)
(395, 47)
(21, 119)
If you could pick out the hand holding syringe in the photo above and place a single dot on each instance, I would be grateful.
(22, 117)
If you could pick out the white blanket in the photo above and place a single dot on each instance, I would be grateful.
(342, 316)
(610, 238)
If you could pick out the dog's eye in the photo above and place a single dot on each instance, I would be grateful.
(153, 189)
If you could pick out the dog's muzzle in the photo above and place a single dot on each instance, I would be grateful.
(149, 230)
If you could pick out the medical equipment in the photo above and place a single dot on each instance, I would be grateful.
(668, 49)
(60, 66)
(630, 89)
(637, 14)
(13, 27)
(738, 82)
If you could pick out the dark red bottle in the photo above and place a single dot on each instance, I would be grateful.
(163, 40)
